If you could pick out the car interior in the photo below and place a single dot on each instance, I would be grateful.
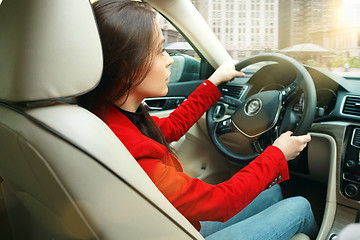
(65, 175)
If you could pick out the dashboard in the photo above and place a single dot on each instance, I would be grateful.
(337, 98)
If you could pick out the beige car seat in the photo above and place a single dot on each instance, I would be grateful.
(64, 174)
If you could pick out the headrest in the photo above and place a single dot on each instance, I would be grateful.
(48, 49)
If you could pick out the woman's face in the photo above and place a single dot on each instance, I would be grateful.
(155, 83)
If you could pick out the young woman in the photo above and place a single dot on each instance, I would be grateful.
(135, 67)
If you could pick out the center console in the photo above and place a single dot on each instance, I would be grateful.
(350, 166)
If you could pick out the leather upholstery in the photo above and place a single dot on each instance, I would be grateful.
(48, 49)
(65, 175)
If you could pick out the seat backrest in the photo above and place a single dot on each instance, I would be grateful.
(65, 174)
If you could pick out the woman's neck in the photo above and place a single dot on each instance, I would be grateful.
(130, 104)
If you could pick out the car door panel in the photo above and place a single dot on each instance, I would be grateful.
(178, 92)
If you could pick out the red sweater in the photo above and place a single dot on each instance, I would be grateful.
(195, 199)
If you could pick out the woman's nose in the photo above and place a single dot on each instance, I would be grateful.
(169, 60)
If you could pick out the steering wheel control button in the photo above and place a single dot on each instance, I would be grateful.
(351, 190)
(258, 114)
(224, 127)
(231, 101)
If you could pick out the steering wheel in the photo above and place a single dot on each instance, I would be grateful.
(262, 117)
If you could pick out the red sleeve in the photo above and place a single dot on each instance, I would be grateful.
(183, 117)
(199, 201)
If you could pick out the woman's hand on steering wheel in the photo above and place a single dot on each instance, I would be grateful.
(226, 72)
(291, 146)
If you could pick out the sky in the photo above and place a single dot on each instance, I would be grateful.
(352, 11)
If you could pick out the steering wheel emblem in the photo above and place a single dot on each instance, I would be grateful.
(253, 106)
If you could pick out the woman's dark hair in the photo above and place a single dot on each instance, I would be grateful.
(127, 30)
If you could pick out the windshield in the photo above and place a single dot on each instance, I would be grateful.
(320, 33)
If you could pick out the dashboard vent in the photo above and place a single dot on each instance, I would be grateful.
(356, 138)
(351, 106)
(233, 90)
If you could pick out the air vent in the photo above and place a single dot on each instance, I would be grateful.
(351, 106)
(233, 90)
(356, 138)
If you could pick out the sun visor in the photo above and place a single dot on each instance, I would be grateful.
(48, 50)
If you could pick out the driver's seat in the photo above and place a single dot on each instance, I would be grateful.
(63, 173)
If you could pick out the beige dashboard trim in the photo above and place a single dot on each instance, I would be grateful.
(330, 207)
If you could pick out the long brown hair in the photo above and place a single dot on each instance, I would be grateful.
(127, 30)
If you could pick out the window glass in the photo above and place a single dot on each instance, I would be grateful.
(320, 33)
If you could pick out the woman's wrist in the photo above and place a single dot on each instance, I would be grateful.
(216, 83)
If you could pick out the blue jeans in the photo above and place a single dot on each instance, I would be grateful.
(269, 216)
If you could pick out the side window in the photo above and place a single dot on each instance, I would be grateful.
(186, 66)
